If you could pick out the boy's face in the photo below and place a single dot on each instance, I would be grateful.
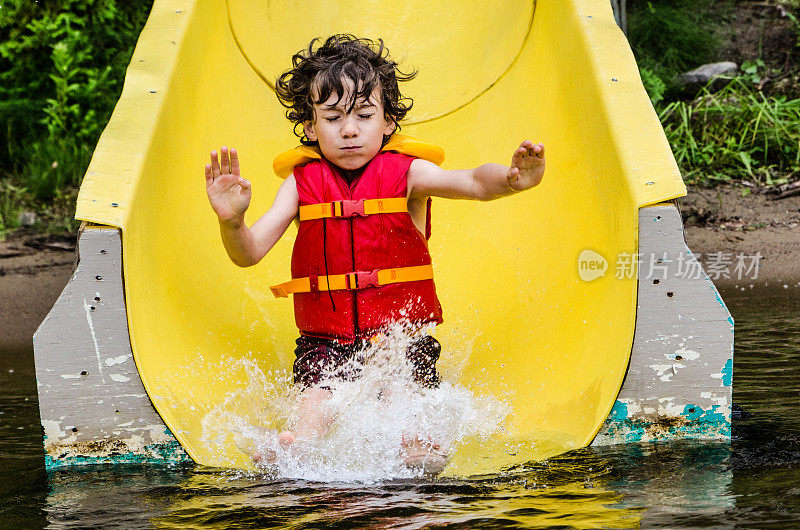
(351, 140)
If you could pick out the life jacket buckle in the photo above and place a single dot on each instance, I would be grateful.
(349, 208)
(362, 279)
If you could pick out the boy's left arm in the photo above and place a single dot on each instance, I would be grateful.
(483, 183)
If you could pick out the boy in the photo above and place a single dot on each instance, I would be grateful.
(354, 271)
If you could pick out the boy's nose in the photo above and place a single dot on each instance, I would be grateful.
(349, 128)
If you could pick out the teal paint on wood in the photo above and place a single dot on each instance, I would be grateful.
(164, 454)
(727, 373)
(695, 422)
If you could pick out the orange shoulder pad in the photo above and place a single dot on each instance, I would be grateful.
(284, 163)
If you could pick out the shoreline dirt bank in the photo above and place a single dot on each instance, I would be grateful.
(34, 268)
(722, 221)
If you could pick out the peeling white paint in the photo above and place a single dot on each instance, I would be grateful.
(158, 434)
(668, 407)
(661, 369)
(117, 360)
(634, 407)
(52, 429)
(689, 355)
(721, 401)
(72, 438)
(662, 338)
(87, 308)
(70, 376)
(666, 371)
(119, 378)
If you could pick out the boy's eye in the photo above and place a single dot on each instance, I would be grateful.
(365, 116)
(331, 118)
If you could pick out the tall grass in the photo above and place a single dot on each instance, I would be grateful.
(669, 37)
(10, 206)
(62, 64)
(736, 133)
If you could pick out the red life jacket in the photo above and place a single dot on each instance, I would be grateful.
(340, 245)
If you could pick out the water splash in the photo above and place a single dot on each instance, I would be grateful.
(372, 416)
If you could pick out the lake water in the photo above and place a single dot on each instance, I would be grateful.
(754, 481)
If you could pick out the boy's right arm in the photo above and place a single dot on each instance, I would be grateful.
(229, 194)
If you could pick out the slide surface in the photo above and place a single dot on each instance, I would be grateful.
(520, 322)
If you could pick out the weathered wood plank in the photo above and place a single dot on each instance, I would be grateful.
(92, 403)
(679, 378)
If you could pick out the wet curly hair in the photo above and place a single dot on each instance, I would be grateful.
(363, 61)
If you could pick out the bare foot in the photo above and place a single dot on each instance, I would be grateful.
(265, 451)
(426, 455)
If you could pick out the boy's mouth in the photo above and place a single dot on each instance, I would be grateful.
(350, 148)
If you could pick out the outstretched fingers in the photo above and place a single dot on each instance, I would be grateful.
(215, 164)
(234, 161)
(225, 161)
(209, 176)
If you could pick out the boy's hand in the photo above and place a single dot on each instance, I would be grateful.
(527, 166)
(228, 192)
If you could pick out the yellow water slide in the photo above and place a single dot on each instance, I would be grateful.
(520, 323)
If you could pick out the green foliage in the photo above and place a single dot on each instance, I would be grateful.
(653, 84)
(62, 64)
(737, 132)
(10, 206)
(53, 165)
(54, 216)
(752, 69)
(670, 36)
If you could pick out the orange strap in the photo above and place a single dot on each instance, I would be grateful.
(354, 280)
(285, 162)
(362, 207)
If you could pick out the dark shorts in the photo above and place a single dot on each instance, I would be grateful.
(317, 359)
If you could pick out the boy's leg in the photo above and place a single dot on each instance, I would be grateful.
(424, 452)
(423, 354)
(315, 358)
(314, 417)
(426, 455)
(313, 420)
